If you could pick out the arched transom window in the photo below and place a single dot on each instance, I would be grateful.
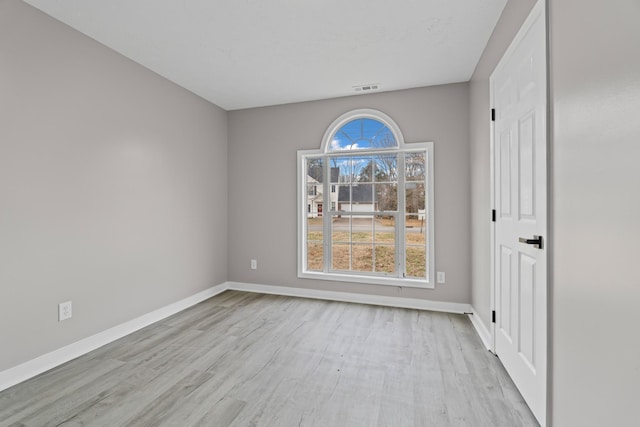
(364, 133)
(366, 204)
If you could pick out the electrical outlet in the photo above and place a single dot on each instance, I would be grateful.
(65, 311)
(254, 264)
(440, 278)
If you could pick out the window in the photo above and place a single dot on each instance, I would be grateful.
(379, 229)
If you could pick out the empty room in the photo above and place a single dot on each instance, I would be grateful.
(304, 213)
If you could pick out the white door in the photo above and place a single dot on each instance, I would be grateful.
(518, 88)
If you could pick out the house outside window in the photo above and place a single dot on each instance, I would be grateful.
(379, 229)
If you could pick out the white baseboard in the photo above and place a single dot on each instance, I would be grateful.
(24, 371)
(448, 307)
(481, 329)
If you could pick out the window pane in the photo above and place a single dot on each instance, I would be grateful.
(416, 233)
(385, 229)
(385, 258)
(315, 170)
(315, 256)
(362, 230)
(344, 197)
(386, 197)
(334, 172)
(363, 169)
(314, 200)
(386, 168)
(414, 198)
(341, 229)
(315, 237)
(415, 166)
(314, 180)
(341, 169)
(415, 245)
(314, 230)
(385, 240)
(361, 199)
(362, 133)
(340, 256)
(416, 261)
(362, 257)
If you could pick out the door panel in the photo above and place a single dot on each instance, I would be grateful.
(526, 165)
(506, 283)
(520, 196)
(505, 174)
(527, 273)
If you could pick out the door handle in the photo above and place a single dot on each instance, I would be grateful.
(537, 241)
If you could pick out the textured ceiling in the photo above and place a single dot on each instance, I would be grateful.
(248, 53)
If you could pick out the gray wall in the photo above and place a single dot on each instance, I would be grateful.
(513, 15)
(262, 184)
(112, 187)
(595, 288)
(113, 190)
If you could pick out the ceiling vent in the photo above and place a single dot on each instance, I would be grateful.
(366, 88)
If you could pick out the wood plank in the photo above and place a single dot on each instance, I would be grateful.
(242, 359)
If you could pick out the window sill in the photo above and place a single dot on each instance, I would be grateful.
(370, 280)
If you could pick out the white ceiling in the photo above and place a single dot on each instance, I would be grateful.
(248, 53)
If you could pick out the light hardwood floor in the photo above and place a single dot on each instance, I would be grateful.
(244, 359)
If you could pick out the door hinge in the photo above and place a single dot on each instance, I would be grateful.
(493, 316)
(493, 114)
(493, 215)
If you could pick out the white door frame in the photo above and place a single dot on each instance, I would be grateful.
(539, 9)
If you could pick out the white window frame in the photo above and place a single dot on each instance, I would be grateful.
(358, 277)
